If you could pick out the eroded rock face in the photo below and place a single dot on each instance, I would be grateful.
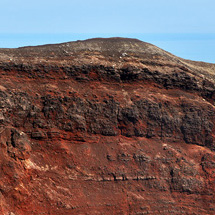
(105, 126)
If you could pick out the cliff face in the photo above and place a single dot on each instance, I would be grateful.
(105, 126)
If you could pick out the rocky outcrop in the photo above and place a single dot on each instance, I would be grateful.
(105, 126)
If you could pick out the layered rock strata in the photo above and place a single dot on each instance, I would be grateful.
(105, 126)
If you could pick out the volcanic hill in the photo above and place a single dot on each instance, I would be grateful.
(105, 126)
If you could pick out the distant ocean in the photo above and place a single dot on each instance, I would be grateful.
(199, 47)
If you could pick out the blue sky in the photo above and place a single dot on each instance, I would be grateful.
(174, 25)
